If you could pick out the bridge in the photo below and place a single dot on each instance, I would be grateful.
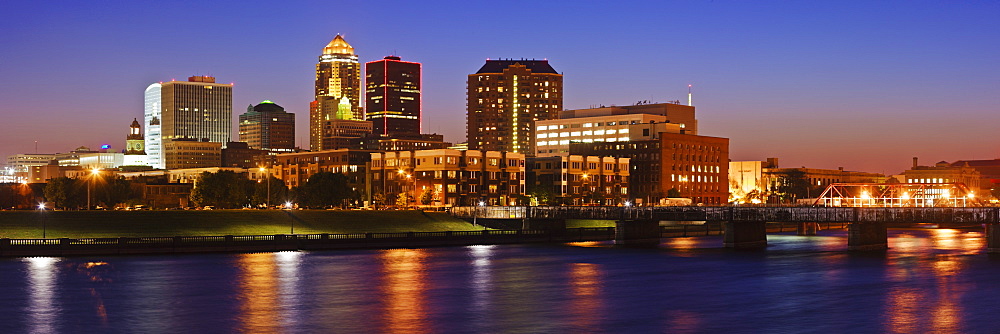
(744, 227)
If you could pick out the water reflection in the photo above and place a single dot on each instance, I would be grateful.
(288, 286)
(403, 290)
(42, 309)
(681, 321)
(938, 258)
(588, 302)
(258, 292)
(482, 277)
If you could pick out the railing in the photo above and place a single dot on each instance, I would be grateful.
(770, 214)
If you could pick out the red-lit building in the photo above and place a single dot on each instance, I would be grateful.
(392, 96)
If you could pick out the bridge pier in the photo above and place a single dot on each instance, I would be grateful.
(993, 238)
(637, 232)
(869, 236)
(745, 234)
(807, 228)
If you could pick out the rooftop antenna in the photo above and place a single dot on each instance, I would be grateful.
(689, 96)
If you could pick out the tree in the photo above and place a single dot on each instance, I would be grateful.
(224, 189)
(64, 192)
(378, 199)
(542, 194)
(114, 192)
(673, 193)
(326, 189)
(278, 194)
(403, 199)
(427, 196)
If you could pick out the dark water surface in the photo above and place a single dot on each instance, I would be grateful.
(929, 281)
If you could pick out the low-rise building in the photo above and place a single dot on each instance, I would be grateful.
(296, 168)
(675, 165)
(578, 180)
(767, 182)
(552, 137)
(445, 177)
(943, 172)
(343, 134)
(191, 153)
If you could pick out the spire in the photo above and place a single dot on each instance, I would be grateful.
(135, 123)
(338, 46)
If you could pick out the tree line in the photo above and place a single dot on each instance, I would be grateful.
(224, 190)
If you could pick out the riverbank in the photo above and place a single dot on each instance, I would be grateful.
(134, 224)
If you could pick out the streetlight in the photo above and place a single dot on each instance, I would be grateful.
(41, 208)
(93, 173)
(268, 176)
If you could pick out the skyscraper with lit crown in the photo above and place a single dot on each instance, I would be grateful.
(338, 89)
(505, 98)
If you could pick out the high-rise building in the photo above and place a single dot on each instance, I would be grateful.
(267, 126)
(505, 98)
(392, 96)
(338, 90)
(198, 109)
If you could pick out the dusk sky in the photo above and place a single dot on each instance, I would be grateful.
(863, 85)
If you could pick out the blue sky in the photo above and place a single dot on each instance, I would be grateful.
(858, 84)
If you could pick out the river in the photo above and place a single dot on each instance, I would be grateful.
(931, 280)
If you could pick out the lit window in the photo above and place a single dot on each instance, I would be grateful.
(599, 132)
(610, 132)
(542, 127)
(623, 131)
(587, 125)
(564, 142)
(564, 134)
(574, 134)
(588, 133)
(543, 135)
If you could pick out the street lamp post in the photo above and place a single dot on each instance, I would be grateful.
(268, 176)
(93, 173)
(41, 209)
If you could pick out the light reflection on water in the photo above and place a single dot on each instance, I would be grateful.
(258, 287)
(931, 280)
(403, 290)
(42, 309)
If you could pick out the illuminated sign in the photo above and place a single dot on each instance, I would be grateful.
(105, 146)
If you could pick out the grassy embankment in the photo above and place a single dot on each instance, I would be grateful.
(109, 224)
(571, 223)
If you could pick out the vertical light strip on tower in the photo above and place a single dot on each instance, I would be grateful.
(515, 126)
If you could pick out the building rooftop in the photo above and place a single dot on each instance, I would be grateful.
(338, 46)
(536, 66)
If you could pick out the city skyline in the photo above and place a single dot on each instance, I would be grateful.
(879, 83)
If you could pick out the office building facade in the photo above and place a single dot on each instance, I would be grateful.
(505, 98)
(198, 109)
(392, 96)
(268, 127)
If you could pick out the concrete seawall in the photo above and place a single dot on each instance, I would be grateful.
(288, 242)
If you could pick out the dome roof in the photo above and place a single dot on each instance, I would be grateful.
(338, 46)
